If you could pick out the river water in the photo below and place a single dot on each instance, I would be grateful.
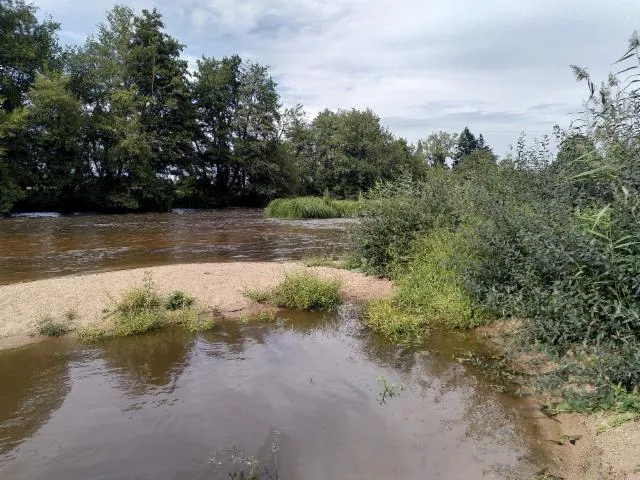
(313, 396)
(45, 246)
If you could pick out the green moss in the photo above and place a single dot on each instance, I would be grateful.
(311, 207)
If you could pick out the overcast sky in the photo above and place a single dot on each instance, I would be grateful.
(498, 66)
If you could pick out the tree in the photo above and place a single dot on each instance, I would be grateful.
(467, 143)
(438, 147)
(27, 48)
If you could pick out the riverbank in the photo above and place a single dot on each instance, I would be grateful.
(577, 446)
(219, 286)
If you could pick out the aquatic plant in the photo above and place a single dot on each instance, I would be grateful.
(388, 390)
(301, 290)
(311, 207)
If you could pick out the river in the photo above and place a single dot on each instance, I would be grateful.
(312, 396)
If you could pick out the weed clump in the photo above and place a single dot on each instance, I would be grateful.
(49, 327)
(311, 207)
(192, 320)
(386, 318)
(301, 291)
(178, 301)
(431, 286)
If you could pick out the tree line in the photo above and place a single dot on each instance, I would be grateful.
(120, 123)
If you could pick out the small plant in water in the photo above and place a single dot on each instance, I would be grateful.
(388, 390)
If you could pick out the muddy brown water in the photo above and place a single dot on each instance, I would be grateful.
(297, 399)
(302, 397)
(44, 246)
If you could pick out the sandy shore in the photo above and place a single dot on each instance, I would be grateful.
(218, 285)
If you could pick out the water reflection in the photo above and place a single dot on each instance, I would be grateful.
(149, 363)
(33, 384)
(172, 405)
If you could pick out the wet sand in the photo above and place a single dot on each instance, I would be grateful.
(214, 285)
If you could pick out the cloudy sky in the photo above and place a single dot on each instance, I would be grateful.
(498, 66)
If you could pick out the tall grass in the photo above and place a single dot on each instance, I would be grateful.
(311, 207)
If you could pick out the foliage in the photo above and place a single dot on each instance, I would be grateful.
(311, 207)
(388, 390)
(178, 301)
(431, 286)
(388, 319)
(191, 320)
(138, 322)
(49, 327)
(301, 290)
(394, 214)
(140, 132)
(437, 148)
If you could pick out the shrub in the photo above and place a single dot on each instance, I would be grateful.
(394, 214)
(398, 326)
(302, 291)
(138, 300)
(311, 207)
(178, 301)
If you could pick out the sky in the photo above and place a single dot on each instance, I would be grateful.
(500, 67)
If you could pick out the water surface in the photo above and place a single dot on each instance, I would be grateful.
(302, 397)
(43, 246)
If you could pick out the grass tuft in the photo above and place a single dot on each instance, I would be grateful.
(178, 301)
(94, 333)
(192, 320)
(301, 291)
(386, 318)
(311, 207)
(49, 327)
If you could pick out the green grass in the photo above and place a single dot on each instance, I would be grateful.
(49, 327)
(301, 291)
(192, 320)
(311, 207)
(94, 333)
(178, 301)
(430, 286)
(386, 318)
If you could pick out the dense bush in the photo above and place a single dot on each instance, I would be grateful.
(554, 240)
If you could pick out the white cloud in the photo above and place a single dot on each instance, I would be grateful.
(402, 57)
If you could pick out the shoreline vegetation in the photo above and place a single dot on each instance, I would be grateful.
(311, 207)
(98, 304)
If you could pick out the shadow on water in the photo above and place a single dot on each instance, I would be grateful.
(299, 397)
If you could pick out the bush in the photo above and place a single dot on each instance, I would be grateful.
(394, 214)
(94, 333)
(311, 207)
(178, 301)
(387, 319)
(302, 291)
